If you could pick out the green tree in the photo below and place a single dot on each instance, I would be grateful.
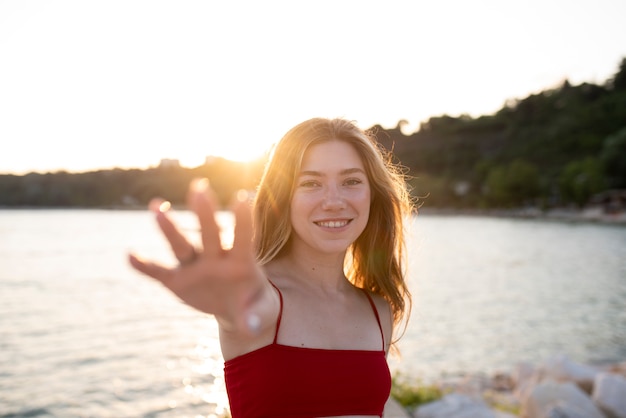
(581, 179)
(613, 157)
(515, 184)
(618, 82)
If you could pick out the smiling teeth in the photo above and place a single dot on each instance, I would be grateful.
(333, 224)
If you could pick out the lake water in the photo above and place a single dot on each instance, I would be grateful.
(83, 335)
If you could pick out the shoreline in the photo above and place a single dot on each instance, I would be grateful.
(589, 215)
(527, 390)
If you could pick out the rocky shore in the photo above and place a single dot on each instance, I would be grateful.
(557, 388)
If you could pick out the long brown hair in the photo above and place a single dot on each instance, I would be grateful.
(376, 259)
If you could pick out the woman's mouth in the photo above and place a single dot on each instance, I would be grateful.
(332, 224)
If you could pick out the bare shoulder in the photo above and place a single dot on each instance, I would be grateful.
(384, 313)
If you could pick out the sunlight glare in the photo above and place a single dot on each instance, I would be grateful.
(246, 145)
(236, 151)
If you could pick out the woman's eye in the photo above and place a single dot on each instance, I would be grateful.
(353, 182)
(308, 183)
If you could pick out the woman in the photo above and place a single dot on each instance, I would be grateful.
(307, 297)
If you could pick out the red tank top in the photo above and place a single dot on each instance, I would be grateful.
(285, 381)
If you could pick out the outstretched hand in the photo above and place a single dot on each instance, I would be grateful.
(225, 283)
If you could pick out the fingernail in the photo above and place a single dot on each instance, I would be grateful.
(159, 205)
(165, 206)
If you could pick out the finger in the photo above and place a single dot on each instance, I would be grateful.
(202, 201)
(156, 271)
(182, 248)
(242, 243)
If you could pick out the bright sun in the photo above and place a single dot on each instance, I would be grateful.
(237, 151)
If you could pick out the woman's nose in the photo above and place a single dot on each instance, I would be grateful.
(333, 199)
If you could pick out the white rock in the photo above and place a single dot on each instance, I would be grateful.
(394, 410)
(455, 405)
(524, 388)
(561, 410)
(563, 369)
(550, 398)
(609, 394)
(501, 414)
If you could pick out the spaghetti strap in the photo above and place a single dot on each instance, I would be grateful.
(369, 297)
(280, 312)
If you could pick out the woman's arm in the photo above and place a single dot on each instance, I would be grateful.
(226, 283)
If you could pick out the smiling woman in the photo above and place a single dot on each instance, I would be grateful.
(309, 294)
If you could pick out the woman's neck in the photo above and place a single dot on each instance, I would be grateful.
(314, 270)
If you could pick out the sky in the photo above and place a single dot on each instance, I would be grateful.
(88, 85)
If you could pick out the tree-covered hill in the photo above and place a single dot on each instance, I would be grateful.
(555, 148)
(125, 188)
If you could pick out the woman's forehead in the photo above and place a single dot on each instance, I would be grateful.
(332, 153)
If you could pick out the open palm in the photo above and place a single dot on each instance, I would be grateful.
(213, 280)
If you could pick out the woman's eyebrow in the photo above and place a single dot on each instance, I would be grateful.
(342, 172)
(352, 171)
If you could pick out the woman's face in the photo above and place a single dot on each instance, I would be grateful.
(331, 201)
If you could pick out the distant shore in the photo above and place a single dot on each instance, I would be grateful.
(595, 215)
